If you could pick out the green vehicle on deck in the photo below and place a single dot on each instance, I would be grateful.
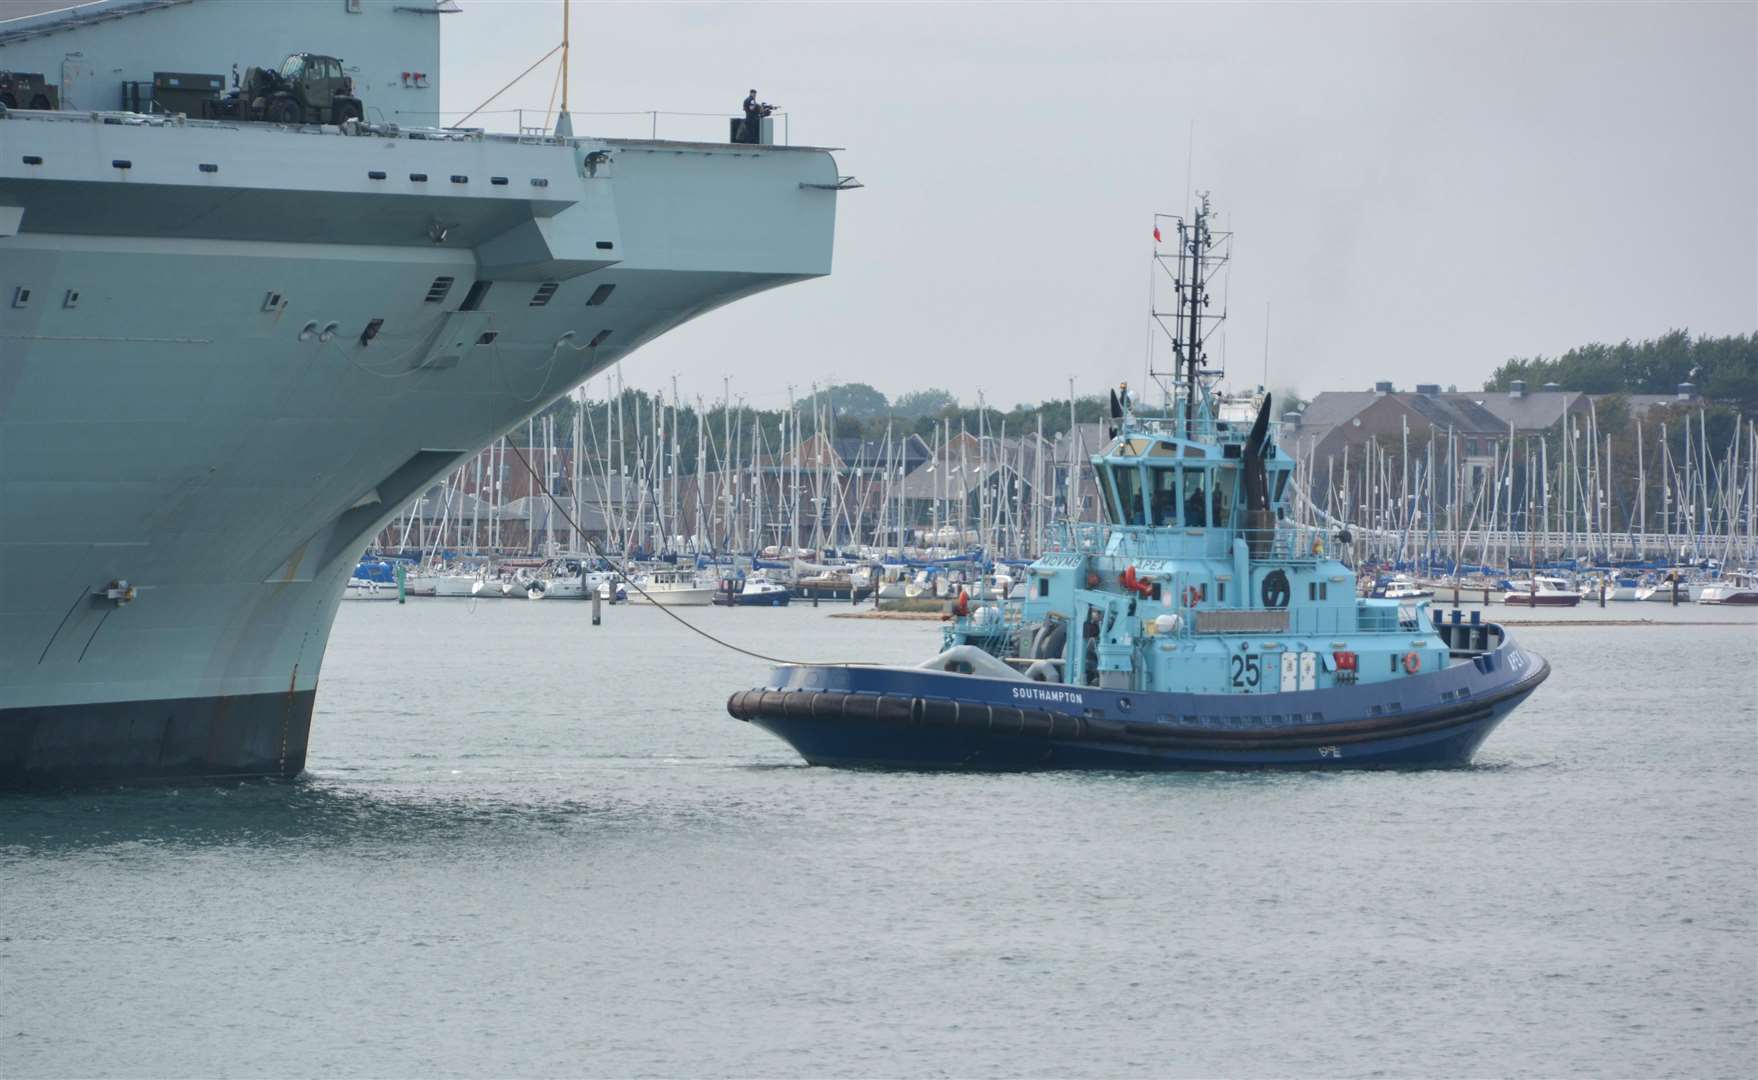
(310, 88)
(27, 90)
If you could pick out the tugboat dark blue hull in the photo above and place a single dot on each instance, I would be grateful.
(912, 718)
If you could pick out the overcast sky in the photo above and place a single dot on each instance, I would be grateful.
(1418, 191)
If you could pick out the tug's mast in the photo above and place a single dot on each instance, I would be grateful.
(1185, 316)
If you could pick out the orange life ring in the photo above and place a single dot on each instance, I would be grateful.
(1191, 596)
(1412, 663)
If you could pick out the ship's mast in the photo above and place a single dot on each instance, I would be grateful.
(1187, 320)
(564, 121)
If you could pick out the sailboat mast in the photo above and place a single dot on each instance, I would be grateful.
(1641, 498)
(1071, 482)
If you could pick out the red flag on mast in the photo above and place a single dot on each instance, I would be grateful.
(1156, 234)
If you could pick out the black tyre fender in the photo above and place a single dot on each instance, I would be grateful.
(769, 703)
(1006, 719)
(973, 714)
(860, 707)
(893, 710)
(1036, 722)
(1065, 727)
(939, 712)
(749, 704)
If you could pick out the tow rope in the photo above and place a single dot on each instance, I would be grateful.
(617, 569)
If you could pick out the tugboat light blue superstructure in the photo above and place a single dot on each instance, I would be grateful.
(1200, 628)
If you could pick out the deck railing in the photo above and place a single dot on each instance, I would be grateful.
(1287, 542)
(704, 127)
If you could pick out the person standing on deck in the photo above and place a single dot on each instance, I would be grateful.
(753, 114)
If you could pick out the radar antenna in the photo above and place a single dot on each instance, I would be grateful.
(1185, 316)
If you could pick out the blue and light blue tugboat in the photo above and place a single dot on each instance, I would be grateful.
(1201, 628)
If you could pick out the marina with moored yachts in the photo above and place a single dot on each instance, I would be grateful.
(907, 521)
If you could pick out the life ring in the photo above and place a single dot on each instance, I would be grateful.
(1412, 663)
(1191, 596)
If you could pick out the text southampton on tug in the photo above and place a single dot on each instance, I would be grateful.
(1201, 628)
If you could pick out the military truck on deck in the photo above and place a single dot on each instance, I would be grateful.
(27, 90)
(309, 88)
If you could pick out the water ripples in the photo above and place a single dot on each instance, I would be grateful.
(514, 867)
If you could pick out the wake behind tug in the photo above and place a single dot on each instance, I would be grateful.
(1202, 628)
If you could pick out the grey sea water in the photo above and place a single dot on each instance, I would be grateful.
(527, 846)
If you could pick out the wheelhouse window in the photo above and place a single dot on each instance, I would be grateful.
(1164, 498)
(1196, 510)
(1221, 498)
(1127, 479)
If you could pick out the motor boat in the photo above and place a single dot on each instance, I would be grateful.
(1737, 587)
(1542, 590)
(755, 590)
(672, 588)
(1403, 587)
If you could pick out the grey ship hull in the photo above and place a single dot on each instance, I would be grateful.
(173, 413)
(140, 742)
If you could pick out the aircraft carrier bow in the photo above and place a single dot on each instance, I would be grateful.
(230, 350)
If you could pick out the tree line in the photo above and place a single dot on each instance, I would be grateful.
(1724, 369)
